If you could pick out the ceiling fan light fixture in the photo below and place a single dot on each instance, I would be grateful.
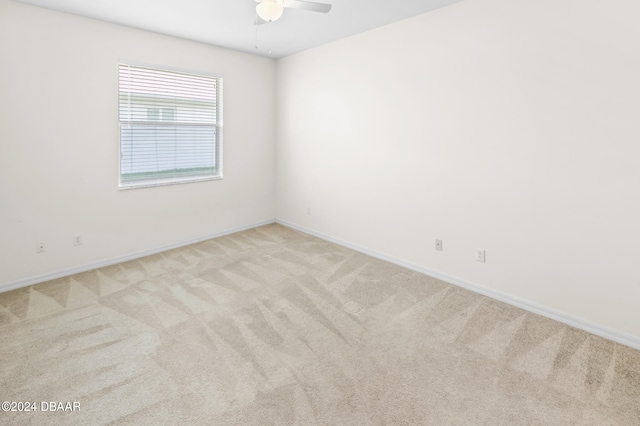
(270, 10)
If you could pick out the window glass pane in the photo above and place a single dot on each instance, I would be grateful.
(153, 114)
(169, 129)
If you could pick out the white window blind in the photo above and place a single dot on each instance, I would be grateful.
(170, 126)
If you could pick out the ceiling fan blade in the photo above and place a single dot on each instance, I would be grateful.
(307, 5)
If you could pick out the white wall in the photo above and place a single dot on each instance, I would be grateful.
(59, 145)
(508, 125)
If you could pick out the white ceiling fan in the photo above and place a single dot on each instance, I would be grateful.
(271, 10)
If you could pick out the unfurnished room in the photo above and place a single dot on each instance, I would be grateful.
(327, 212)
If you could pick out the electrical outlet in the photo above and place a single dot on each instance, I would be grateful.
(41, 246)
(77, 240)
(439, 245)
(480, 255)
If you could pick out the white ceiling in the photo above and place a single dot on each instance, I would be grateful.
(229, 23)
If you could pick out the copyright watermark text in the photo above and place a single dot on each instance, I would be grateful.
(25, 406)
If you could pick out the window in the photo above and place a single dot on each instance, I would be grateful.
(170, 126)
(164, 114)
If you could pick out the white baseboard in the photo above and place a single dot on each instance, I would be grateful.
(597, 329)
(545, 311)
(12, 285)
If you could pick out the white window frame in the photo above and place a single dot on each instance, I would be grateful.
(129, 121)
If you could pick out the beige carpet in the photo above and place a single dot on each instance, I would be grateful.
(274, 327)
